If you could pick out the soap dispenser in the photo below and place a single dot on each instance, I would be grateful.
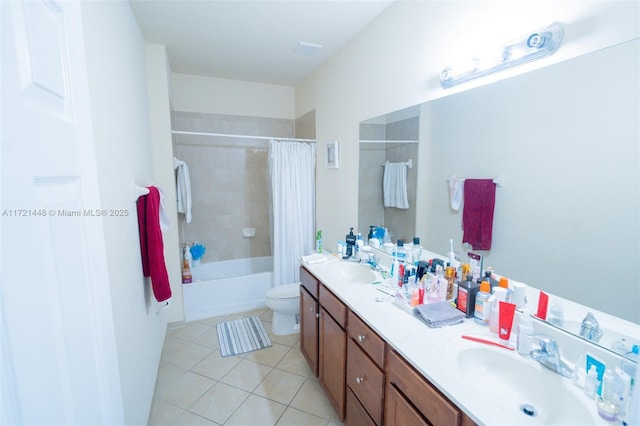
(351, 242)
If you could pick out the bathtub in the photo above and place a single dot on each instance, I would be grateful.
(227, 287)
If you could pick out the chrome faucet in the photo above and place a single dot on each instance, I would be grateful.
(549, 355)
(590, 329)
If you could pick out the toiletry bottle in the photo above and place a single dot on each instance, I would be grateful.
(351, 242)
(319, 241)
(450, 275)
(187, 255)
(466, 299)
(504, 283)
(591, 383)
(556, 315)
(525, 328)
(499, 295)
(400, 255)
(416, 250)
(482, 311)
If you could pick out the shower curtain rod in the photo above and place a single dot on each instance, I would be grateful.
(387, 141)
(228, 135)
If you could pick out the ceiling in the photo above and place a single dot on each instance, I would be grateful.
(251, 40)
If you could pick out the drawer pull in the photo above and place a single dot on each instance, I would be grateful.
(359, 380)
(318, 315)
(361, 338)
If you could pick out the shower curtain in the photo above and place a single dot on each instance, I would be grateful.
(292, 169)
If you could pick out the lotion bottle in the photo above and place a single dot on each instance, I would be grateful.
(525, 328)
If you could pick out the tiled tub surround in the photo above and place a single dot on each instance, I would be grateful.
(229, 182)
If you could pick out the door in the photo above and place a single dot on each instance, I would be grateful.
(309, 329)
(59, 362)
(332, 361)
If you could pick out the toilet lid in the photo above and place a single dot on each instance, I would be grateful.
(286, 291)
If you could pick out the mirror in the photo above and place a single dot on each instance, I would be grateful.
(390, 138)
(564, 138)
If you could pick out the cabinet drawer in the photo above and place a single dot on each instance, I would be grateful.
(398, 411)
(365, 380)
(309, 282)
(356, 415)
(334, 306)
(437, 409)
(368, 339)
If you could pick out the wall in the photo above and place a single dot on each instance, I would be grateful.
(117, 75)
(194, 93)
(158, 73)
(417, 39)
(229, 182)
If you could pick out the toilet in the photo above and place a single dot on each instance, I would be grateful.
(284, 301)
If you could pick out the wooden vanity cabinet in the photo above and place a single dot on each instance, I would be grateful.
(365, 373)
(412, 400)
(309, 319)
(332, 341)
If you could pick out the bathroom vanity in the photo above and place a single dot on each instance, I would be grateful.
(378, 364)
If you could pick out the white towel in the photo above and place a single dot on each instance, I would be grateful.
(394, 185)
(456, 191)
(183, 188)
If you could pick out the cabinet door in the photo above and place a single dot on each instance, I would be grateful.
(399, 412)
(332, 360)
(309, 329)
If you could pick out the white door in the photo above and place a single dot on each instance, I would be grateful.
(58, 352)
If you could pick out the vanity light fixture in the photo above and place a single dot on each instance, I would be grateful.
(530, 47)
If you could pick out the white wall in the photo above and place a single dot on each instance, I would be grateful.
(119, 106)
(158, 72)
(395, 62)
(194, 93)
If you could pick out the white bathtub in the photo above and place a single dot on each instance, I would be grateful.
(226, 287)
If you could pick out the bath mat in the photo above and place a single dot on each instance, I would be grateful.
(241, 336)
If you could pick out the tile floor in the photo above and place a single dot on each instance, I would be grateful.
(272, 386)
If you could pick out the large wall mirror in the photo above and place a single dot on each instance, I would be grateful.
(566, 141)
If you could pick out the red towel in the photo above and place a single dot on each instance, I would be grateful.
(477, 215)
(151, 245)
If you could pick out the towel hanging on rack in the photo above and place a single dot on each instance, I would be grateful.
(183, 188)
(151, 244)
(394, 185)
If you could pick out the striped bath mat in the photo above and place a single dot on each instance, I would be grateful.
(241, 336)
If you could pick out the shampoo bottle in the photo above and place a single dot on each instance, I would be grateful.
(482, 309)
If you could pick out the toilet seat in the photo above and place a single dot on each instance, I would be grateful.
(286, 291)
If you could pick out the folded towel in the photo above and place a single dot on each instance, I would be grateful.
(394, 185)
(313, 258)
(183, 188)
(477, 213)
(438, 314)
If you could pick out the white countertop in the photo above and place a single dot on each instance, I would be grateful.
(432, 351)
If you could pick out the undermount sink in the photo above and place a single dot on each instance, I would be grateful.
(522, 388)
(346, 272)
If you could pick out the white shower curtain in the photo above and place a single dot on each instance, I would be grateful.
(292, 167)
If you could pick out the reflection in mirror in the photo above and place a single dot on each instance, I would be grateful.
(565, 137)
(391, 138)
